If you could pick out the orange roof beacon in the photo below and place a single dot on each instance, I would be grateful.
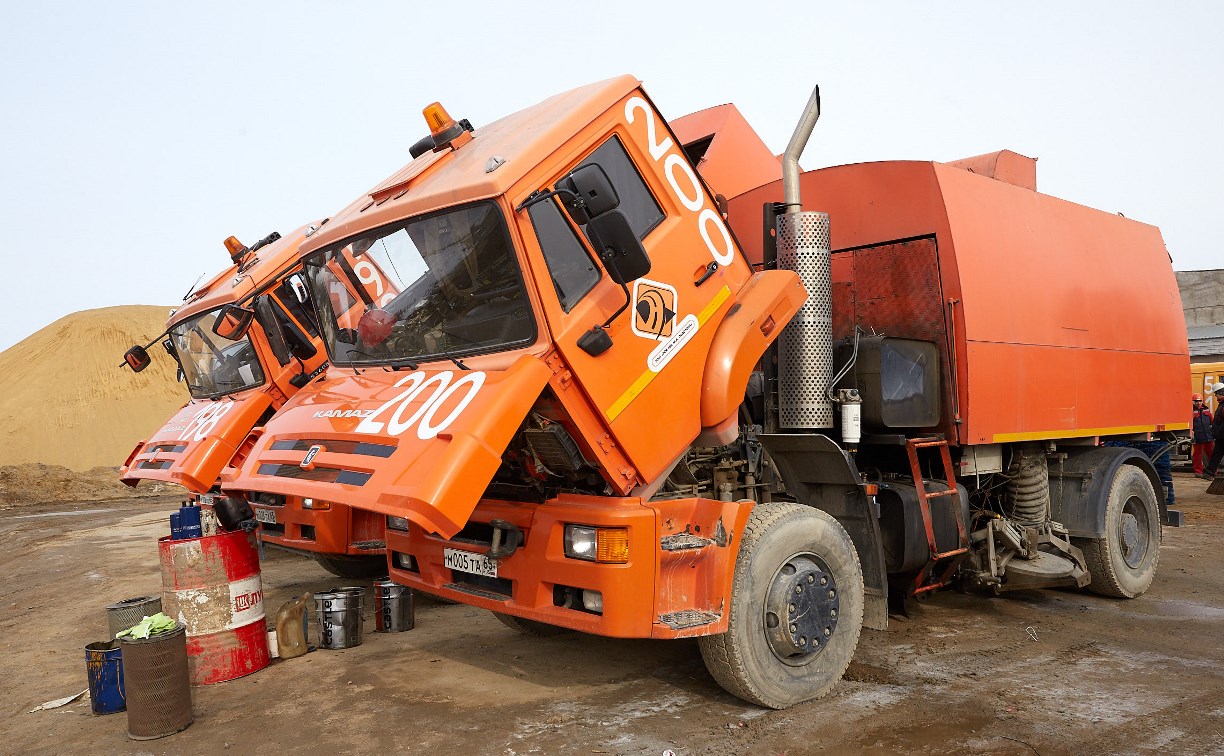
(588, 392)
(237, 381)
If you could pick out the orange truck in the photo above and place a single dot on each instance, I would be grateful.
(236, 384)
(622, 388)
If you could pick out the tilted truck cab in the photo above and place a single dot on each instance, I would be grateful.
(238, 383)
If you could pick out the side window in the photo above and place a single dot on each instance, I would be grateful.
(570, 265)
(636, 201)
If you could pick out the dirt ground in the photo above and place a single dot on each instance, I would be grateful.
(1033, 672)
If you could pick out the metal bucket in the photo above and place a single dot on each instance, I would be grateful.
(340, 621)
(123, 614)
(104, 668)
(157, 684)
(393, 607)
(212, 587)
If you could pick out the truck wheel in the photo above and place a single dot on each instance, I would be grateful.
(796, 608)
(1123, 563)
(529, 627)
(346, 566)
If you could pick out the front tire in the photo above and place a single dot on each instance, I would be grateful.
(796, 608)
(1123, 563)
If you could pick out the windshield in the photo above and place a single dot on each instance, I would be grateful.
(446, 284)
(211, 364)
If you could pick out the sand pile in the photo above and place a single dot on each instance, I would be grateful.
(64, 400)
(35, 483)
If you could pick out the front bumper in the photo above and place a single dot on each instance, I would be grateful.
(676, 582)
(336, 530)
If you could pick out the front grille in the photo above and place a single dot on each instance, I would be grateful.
(318, 474)
(164, 464)
(171, 448)
(336, 446)
(475, 591)
(502, 587)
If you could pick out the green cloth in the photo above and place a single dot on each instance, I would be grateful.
(158, 623)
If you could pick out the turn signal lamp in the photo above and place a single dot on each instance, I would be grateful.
(237, 250)
(309, 503)
(604, 545)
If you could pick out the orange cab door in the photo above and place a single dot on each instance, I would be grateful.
(647, 385)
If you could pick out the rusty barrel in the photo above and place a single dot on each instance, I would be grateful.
(123, 614)
(212, 586)
(156, 683)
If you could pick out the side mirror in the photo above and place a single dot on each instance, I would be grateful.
(137, 358)
(297, 284)
(589, 193)
(233, 322)
(265, 313)
(618, 246)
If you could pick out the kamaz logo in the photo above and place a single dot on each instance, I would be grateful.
(310, 455)
(344, 413)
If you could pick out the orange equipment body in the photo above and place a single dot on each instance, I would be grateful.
(1066, 321)
(424, 444)
(198, 441)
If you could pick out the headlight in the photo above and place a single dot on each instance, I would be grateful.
(607, 545)
(309, 503)
(397, 523)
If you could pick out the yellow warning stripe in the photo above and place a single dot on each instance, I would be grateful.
(1000, 438)
(643, 380)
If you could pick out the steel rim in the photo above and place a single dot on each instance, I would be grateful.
(1133, 532)
(801, 609)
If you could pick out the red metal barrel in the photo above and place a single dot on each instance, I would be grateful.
(212, 586)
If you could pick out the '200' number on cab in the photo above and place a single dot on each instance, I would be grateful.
(424, 417)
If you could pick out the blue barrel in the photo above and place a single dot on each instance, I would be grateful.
(103, 666)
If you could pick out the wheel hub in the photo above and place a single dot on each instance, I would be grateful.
(801, 609)
(1134, 533)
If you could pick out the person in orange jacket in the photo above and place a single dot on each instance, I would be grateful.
(1200, 422)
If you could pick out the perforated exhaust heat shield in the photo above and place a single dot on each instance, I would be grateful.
(805, 348)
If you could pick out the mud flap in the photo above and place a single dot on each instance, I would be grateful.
(818, 473)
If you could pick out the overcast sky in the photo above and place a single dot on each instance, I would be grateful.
(138, 136)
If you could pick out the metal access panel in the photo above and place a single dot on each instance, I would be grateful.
(805, 348)
(893, 289)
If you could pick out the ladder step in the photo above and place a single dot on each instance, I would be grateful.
(948, 554)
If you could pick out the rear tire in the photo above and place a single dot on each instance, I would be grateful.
(345, 566)
(789, 638)
(1123, 563)
(529, 627)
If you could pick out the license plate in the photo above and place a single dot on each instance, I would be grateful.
(265, 515)
(208, 500)
(466, 561)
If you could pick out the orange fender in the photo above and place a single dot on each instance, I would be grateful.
(762, 308)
